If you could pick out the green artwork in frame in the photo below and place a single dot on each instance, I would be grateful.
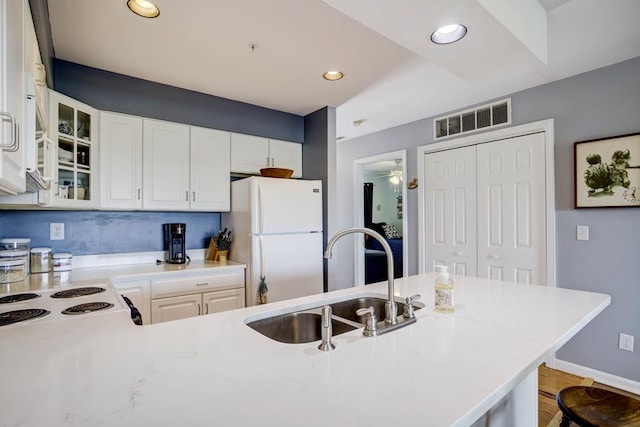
(607, 172)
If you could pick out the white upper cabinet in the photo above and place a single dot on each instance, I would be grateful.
(210, 170)
(74, 127)
(250, 153)
(286, 155)
(165, 151)
(120, 161)
(12, 96)
(185, 168)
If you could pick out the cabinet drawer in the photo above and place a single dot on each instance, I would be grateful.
(161, 288)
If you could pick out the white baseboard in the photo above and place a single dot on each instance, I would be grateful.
(599, 376)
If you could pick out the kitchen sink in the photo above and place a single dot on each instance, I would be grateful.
(305, 326)
(296, 328)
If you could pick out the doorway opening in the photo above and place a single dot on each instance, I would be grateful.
(379, 193)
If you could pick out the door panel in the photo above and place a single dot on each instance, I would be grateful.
(292, 265)
(120, 161)
(249, 153)
(451, 209)
(165, 151)
(209, 180)
(511, 209)
(215, 302)
(286, 155)
(174, 308)
(288, 206)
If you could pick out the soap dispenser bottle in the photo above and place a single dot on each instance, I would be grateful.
(444, 290)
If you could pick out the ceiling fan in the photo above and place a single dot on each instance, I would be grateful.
(395, 174)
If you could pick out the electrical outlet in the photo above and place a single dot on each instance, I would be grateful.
(56, 231)
(582, 232)
(626, 342)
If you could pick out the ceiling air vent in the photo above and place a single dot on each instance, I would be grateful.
(483, 117)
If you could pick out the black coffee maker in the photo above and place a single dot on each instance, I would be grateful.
(174, 243)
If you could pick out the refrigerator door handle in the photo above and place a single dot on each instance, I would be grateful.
(260, 210)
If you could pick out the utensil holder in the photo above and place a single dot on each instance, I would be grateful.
(221, 256)
(212, 250)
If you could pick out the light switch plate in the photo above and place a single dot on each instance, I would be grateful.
(56, 231)
(582, 232)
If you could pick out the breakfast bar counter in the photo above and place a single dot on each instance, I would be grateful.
(445, 369)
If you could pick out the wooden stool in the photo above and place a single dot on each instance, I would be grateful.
(596, 407)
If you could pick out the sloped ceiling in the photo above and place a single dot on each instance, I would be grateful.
(273, 53)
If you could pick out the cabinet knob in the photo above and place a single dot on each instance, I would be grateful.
(267, 161)
(186, 196)
(206, 311)
(194, 196)
(272, 162)
(139, 194)
(199, 310)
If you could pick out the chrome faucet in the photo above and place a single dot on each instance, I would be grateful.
(390, 307)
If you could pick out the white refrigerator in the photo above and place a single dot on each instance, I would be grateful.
(277, 229)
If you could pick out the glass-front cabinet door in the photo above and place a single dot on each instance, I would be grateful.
(74, 135)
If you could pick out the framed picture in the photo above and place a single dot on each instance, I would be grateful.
(607, 172)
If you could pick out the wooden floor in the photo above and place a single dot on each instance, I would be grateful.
(551, 382)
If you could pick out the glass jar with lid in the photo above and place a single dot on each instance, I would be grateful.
(40, 260)
(12, 270)
(19, 244)
(61, 261)
(11, 254)
(15, 244)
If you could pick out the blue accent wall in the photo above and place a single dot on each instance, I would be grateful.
(93, 232)
(109, 91)
(319, 131)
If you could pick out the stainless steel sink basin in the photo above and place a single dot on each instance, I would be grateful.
(296, 328)
(347, 309)
(305, 326)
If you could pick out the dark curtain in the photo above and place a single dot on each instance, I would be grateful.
(368, 204)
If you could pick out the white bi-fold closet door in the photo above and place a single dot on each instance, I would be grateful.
(485, 207)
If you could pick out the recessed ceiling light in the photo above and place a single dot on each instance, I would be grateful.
(333, 75)
(144, 8)
(448, 34)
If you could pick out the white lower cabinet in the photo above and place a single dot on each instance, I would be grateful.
(139, 292)
(215, 302)
(182, 307)
(181, 297)
(175, 308)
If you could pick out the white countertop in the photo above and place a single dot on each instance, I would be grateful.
(446, 369)
(98, 275)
